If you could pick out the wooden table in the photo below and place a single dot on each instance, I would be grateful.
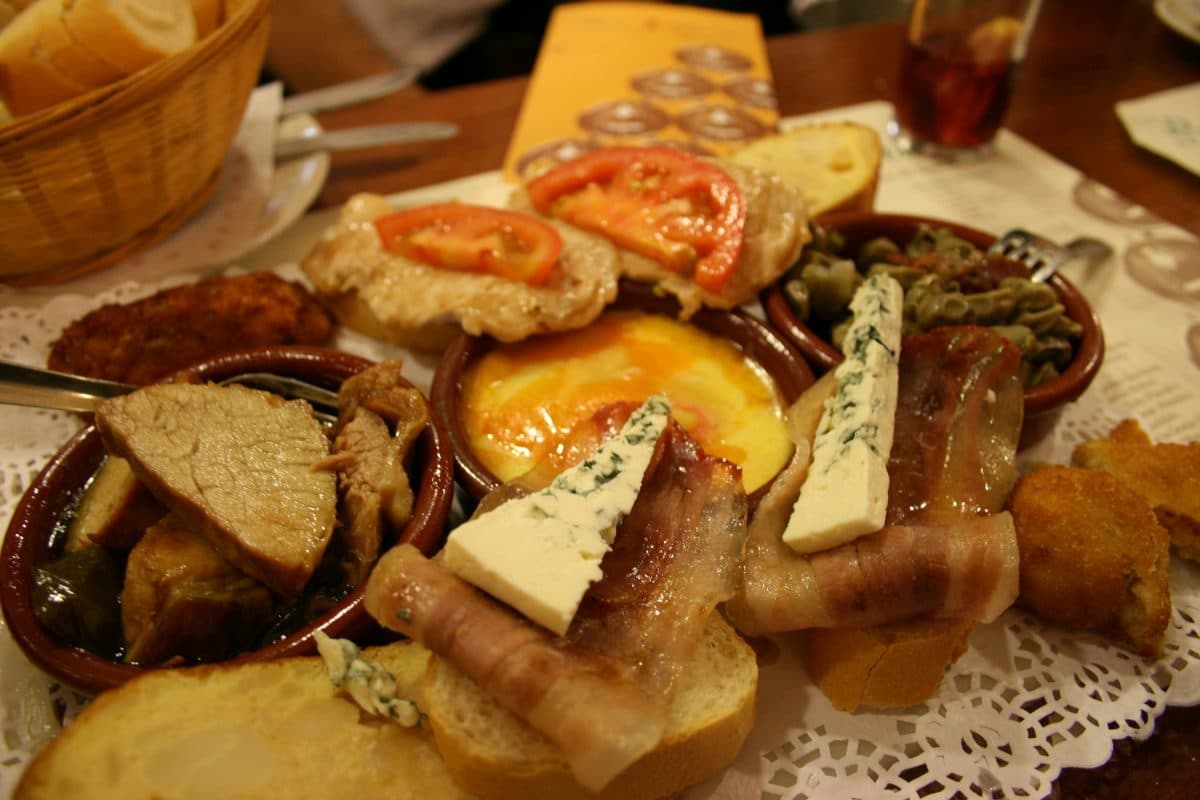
(1083, 58)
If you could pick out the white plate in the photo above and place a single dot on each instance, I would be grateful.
(1181, 16)
(295, 183)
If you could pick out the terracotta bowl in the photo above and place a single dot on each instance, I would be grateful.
(28, 541)
(861, 227)
(792, 375)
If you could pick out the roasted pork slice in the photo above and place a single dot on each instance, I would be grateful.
(392, 297)
(776, 229)
(182, 600)
(239, 465)
(379, 421)
(114, 511)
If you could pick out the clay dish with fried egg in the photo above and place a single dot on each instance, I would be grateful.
(777, 364)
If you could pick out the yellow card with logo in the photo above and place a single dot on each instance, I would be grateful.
(643, 73)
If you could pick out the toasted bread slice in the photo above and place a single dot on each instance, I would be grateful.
(887, 666)
(835, 165)
(1167, 475)
(271, 729)
(494, 755)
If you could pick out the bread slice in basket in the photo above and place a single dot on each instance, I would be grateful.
(55, 50)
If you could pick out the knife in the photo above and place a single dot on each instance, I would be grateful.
(349, 93)
(369, 136)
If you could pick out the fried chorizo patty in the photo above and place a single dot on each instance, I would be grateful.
(145, 340)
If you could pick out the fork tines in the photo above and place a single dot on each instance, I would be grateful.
(1040, 255)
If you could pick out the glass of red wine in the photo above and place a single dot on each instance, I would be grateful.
(956, 74)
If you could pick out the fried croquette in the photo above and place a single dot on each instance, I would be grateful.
(151, 338)
(1167, 475)
(1093, 556)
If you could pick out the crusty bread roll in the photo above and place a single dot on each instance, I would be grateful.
(54, 50)
(209, 15)
(28, 80)
(271, 729)
(889, 666)
(67, 56)
(836, 164)
(131, 34)
(494, 755)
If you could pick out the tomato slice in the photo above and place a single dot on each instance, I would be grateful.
(666, 204)
(470, 238)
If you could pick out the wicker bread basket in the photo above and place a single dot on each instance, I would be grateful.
(90, 181)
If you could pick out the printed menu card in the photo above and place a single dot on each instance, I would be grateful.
(643, 73)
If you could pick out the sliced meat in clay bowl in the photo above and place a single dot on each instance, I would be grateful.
(41, 526)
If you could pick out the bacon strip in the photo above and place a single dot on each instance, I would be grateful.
(586, 704)
(602, 692)
(947, 550)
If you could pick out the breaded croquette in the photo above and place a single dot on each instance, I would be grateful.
(1093, 555)
(148, 339)
(1167, 475)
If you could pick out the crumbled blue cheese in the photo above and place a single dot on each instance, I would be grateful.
(539, 553)
(845, 493)
(371, 686)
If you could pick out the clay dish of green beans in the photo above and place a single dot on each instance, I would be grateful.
(948, 279)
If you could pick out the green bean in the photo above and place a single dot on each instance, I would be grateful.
(876, 250)
(905, 275)
(822, 284)
(796, 292)
(831, 286)
(1040, 321)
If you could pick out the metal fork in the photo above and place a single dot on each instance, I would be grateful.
(42, 388)
(1044, 257)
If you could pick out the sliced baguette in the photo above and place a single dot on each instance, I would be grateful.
(28, 80)
(272, 729)
(209, 15)
(836, 165)
(495, 755)
(69, 56)
(55, 50)
(889, 666)
(131, 34)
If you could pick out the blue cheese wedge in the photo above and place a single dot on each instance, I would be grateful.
(845, 494)
(539, 553)
(371, 686)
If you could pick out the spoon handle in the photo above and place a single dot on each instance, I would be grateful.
(42, 388)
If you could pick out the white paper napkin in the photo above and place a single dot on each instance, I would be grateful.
(1166, 123)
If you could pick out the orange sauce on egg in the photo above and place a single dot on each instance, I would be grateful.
(521, 400)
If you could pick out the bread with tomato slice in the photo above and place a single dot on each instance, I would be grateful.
(416, 277)
(712, 233)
